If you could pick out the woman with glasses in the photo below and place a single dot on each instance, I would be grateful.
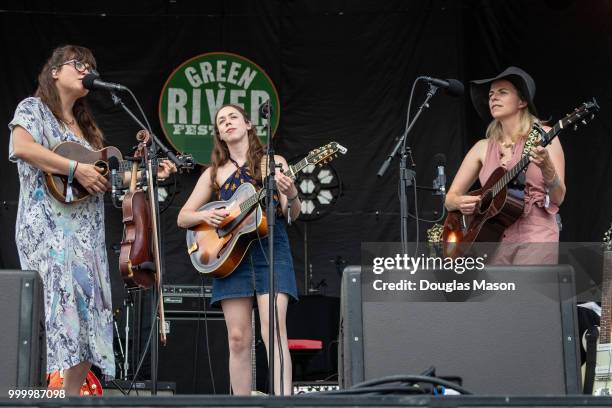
(65, 243)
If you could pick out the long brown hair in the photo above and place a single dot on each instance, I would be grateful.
(220, 154)
(49, 95)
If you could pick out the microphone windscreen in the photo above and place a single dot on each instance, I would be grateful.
(440, 159)
(88, 80)
(113, 162)
(455, 88)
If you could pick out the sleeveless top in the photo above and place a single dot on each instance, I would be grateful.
(251, 275)
(240, 176)
(538, 210)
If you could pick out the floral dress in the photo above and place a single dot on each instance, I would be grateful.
(65, 243)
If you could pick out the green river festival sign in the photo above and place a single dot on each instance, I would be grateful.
(199, 87)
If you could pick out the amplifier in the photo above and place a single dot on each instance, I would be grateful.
(140, 388)
(306, 387)
(188, 300)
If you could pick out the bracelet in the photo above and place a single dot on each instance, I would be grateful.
(292, 199)
(71, 169)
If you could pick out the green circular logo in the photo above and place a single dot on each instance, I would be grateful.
(199, 87)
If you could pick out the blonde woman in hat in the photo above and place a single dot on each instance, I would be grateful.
(507, 102)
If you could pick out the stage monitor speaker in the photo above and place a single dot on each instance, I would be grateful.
(184, 360)
(22, 335)
(119, 388)
(525, 346)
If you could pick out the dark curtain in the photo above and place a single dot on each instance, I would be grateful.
(344, 70)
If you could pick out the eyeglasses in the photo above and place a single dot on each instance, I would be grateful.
(80, 66)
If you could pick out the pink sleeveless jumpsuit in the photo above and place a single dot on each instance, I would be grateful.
(533, 238)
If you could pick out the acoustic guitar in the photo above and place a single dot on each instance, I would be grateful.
(218, 251)
(57, 183)
(500, 206)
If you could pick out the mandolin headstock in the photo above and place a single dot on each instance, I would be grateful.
(326, 153)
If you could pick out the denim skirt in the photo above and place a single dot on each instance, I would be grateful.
(251, 276)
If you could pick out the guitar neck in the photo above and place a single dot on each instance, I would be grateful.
(547, 138)
(248, 204)
(294, 169)
(524, 161)
(606, 299)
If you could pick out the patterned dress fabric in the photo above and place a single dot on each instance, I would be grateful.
(65, 243)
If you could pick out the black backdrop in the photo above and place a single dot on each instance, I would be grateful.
(344, 70)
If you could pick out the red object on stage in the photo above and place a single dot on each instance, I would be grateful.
(295, 344)
(91, 386)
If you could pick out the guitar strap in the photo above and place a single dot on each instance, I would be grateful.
(533, 140)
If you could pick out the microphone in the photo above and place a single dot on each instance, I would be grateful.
(92, 81)
(113, 165)
(452, 86)
(439, 182)
(265, 109)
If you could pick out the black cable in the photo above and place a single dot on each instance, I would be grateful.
(423, 219)
(280, 345)
(404, 238)
(212, 375)
(116, 384)
(260, 238)
(412, 379)
(329, 377)
(147, 344)
(168, 201)
(195, 353)
(140, 109)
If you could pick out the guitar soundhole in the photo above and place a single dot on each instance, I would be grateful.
(485, 202)
(103, 165)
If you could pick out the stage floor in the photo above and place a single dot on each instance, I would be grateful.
(319, 400)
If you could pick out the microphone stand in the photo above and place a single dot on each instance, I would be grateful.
(271, 220)
(150, 168)
(406, 175)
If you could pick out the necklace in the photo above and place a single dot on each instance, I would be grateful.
(508, 145)
(71, 122)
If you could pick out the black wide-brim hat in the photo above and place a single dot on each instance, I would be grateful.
(523, 82)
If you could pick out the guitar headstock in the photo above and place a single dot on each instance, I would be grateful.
(325, 154)
(607, 239)
(581, 115)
